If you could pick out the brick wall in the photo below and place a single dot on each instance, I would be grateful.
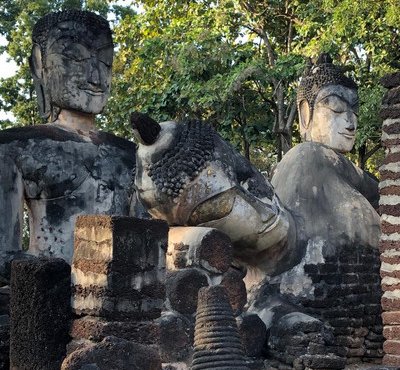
(390, 219)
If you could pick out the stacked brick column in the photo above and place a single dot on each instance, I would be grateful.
(118, 278)
(390, 219)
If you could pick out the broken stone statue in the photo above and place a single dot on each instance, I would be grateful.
(189, 176)
(65, 167)
(310, 242)
(333, 204)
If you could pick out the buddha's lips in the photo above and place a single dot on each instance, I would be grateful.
(93, 92)
(347, 136)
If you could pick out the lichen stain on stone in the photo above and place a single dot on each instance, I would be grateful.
(296, 281)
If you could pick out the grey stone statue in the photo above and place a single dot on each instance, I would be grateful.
(333, 204)
(188, 175)
(65, 167)
(332, 200)
(311, 240)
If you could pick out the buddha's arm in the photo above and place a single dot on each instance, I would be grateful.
(11, 205)
(366, 184)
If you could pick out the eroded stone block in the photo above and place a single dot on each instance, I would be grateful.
(113, 354)
(118, 268)
(96, 329)
(176, 337)
(183, 287)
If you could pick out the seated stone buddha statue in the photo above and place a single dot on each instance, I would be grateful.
(331, 199)
(65, 167)
(309, 241)
(332, 202)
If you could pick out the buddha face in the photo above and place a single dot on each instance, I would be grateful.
(77, 67)
(334, 118)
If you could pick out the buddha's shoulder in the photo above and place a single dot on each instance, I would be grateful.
(37, 132)
(106, 138)
(57, 134)
(312, 153)
(310, 159)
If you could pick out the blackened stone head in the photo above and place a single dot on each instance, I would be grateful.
(146, 130)
(71, 62)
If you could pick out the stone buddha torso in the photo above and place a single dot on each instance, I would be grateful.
(331, 199)
(61, 174)
(65, 167)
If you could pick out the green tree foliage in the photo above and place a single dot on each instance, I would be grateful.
(188, 60)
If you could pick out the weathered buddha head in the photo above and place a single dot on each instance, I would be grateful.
(327, 102)
(71, 62)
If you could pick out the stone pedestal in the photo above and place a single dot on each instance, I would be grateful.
(118, 278)
(390, 219)
(39, 313)
(118, 268)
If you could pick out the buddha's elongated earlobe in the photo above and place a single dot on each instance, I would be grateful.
(304, 117)
(36, 66)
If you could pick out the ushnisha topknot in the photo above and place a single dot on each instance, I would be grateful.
(321, 74)
(43, 26)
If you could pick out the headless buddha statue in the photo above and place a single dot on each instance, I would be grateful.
(65, 167)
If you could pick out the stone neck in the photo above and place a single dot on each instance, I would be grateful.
(80, 122)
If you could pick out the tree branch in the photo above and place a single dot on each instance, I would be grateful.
(264, 36)
(372, 151)
(291, 117)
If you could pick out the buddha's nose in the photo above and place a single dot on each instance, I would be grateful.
(94, 73)
(351, 123)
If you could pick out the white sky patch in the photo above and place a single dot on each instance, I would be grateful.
(7, 69)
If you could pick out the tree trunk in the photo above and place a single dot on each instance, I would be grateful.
(362, 150)
(246, 148)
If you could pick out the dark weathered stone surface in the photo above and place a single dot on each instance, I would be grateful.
(182, 289)
(113, 354)
(302, 341)
(233, 282)
(391, 80)
(40, 313)
(253, 333)
(176, 337)
(5, 300)
(73, 172)
(97, 328)
(4, 342)
(389, 112)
